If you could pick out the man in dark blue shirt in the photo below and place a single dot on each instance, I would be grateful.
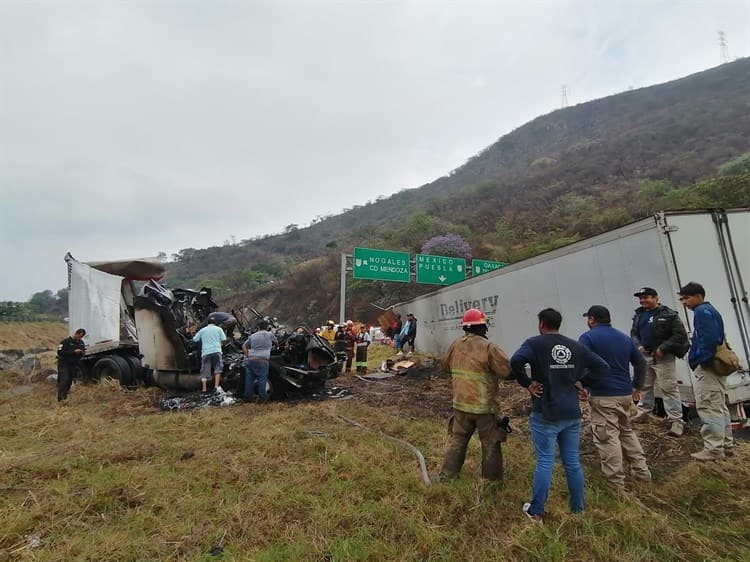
(710, 387)
(611, 398)
(558, 364)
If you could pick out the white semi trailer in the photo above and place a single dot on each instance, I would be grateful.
(663, 252)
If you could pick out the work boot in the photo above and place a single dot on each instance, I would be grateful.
(705, 455)
(644, 476)
(676, 429)
(728, 450)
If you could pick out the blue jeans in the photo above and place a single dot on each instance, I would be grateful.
(256, 370)
(566, 434)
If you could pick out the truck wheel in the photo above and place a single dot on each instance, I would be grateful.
(113, 367)
(136, 369)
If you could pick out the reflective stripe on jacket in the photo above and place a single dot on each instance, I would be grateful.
(475, 365)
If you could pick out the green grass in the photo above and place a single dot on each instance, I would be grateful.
(103, 479)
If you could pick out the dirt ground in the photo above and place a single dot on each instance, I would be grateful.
(426, 392)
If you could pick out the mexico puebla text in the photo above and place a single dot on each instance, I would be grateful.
(439, 263)
(487, 304)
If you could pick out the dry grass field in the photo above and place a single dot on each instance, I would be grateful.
(31, 335)
(108, 476)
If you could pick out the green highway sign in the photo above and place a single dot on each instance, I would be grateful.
(483, 266)
(383, 265)
(440, 270)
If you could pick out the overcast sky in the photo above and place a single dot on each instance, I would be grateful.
(129, 128)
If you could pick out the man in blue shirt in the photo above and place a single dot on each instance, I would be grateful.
(611, 398)
(211, 337)
(710, 388)
(558, 364)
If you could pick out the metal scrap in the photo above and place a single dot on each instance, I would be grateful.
(195, 401)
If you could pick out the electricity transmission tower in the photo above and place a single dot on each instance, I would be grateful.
(564, 93)
(723, 49)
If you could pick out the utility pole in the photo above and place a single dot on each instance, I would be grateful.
(723, 49)
(564, 93)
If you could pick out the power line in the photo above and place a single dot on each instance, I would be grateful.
(564, 93)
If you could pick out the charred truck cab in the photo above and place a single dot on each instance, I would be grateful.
(140, 332)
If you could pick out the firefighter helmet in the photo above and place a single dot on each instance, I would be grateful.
(331, 323)
(473, 317)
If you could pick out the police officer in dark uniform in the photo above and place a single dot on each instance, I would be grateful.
(69, 354)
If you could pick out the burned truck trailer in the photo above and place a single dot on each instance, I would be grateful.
(139, 331)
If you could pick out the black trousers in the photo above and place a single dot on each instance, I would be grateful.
(65, 373)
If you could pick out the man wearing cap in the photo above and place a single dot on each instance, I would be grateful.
(612, 398)
(660, 336)
(710, 388)
(475, 364)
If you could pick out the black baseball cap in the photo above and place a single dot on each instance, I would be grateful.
(692, 288)
(599, 313)
(646, 291)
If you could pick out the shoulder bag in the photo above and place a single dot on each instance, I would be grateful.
(725, 361)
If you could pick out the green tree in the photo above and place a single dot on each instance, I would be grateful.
(739, 165)
(43, 302)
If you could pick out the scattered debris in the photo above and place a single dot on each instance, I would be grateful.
(52, 377)
(377, 376)
(218, 548)
(33, 541)
(195, 401)
(336, 392)
(400, 367)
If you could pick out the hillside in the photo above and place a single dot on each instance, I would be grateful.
(563, 176)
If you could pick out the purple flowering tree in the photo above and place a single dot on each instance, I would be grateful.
(451, 245)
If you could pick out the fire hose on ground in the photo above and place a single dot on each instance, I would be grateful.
(412, 448)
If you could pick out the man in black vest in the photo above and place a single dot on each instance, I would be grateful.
(660, 336)
(69, 354)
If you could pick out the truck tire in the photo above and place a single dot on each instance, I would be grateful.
(136, 369)
(113, 367)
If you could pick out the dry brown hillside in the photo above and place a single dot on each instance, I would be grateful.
(31, 335)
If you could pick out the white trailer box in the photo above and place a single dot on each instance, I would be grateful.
(663, 252)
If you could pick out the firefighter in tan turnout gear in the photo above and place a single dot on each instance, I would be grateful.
(476, 365)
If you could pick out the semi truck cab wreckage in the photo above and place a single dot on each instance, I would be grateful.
(140, 332)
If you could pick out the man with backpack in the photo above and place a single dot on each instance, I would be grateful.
(660, 336)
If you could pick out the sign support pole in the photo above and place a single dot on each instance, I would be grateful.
(342, 297)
